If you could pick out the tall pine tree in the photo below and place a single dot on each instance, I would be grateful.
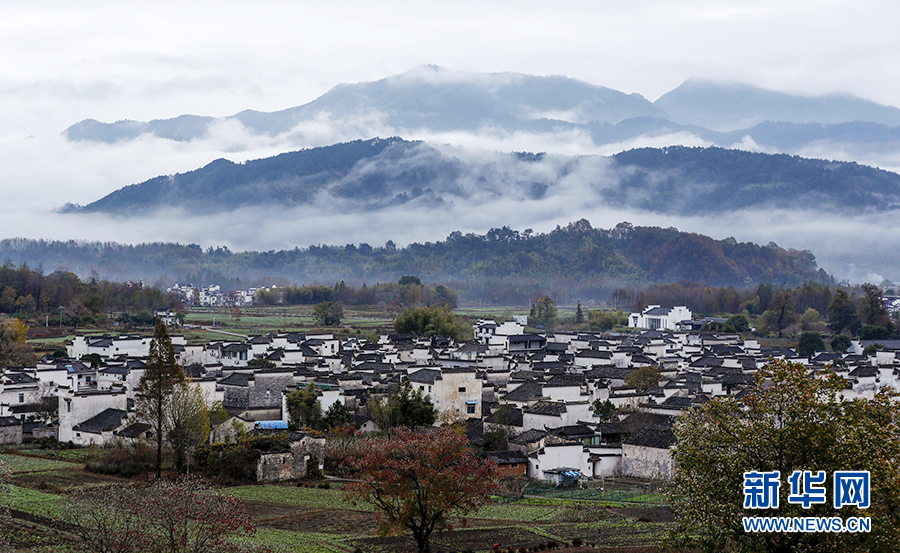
(161, 375)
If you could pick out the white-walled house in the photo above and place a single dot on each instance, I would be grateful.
(110, 346)
(76, 407)
(454, 391)
(655, 317)
(558, 456)
(648, 454)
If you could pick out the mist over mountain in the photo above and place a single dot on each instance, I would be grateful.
(433, 100)
(379, 174)
(732, 106)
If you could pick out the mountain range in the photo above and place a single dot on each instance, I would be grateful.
(377, 174)
(437, 100)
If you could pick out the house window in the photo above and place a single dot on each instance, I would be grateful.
(21, 398)
(470, 407)
(462, 389)
(422, 388)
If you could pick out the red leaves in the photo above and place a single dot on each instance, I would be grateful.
(418, 478)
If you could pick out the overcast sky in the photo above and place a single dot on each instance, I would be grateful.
(62, 62)
(67, 61)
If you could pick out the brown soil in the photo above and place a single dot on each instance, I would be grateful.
(57, 481)
(645, 514)
(325, 521)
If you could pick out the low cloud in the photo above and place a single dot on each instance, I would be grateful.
(493, 190)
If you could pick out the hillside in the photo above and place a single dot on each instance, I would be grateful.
(502, 265)
(379, 174)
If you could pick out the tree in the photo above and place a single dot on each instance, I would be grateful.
(874, 332)
(872, 311)
(842, 314)
(643, 378)
(543, 313)
(497, 433)
(811, 320)
(408, 280)
(405, 407)
(14, 350)
(108, 519)
(337, 415)
(809, 344)
(790, 420)
(436, 320)
(418, 480)
(579, 314)
(840, 343)
(261, 363)
(179, 516)
(606, 320)
(151, 397)
(328, 313)
(737, 323)
(188, 423)
(781, 313)
(604, 410)
(304, 407)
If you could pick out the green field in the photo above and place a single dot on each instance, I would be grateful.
(311, 519)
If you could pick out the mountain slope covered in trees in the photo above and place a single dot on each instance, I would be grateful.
(363, 176)
(502, 264)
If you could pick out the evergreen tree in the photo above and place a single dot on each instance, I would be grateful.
(842, 314)
(304, 407)
(161, 375)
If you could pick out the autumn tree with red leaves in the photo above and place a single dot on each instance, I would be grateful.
(418, 479)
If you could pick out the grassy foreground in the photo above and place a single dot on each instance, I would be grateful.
(312, 518)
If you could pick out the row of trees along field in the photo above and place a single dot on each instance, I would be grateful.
(26, 292)
(409, 290)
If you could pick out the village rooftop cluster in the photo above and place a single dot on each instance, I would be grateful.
(539, 388)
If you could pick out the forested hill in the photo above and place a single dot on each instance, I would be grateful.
(694, 180)
(576, 259)
(383, 174)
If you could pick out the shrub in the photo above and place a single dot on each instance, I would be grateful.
(123, 461)
(577, 542)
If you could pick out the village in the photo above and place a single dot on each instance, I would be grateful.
(545, 392)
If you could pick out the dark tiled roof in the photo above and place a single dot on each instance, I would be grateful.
(864, 371)
(135, 430)
(511, 416)
(525, 392)
(566, 380)
(550, 408)
(509, 457)
(529, 437)
(651, 437)
(237, 379)
(20, 378)
(425, 376)
(107, 420)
